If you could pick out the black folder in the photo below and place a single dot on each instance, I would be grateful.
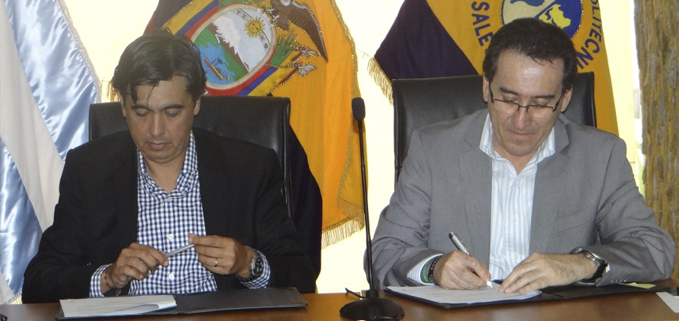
(246, 299)
(554, 293)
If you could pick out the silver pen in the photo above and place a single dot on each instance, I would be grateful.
(456, 240)
(179, 250)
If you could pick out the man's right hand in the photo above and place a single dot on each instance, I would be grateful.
(458, 271)
(134, 262)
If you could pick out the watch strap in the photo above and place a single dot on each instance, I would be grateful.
(601, 263)
(256, 267)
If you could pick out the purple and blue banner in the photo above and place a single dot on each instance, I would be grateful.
(438, 38)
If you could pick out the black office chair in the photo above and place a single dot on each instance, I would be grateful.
(423, 101)
(259, 120)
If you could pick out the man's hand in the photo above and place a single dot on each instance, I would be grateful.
(223, 255)
(457, 270)
(541, 270)
(134, 262)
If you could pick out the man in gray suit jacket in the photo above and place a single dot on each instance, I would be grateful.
(536, 199)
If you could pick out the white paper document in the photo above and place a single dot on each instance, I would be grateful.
(438, 294)
(116, 306)
(671, 300)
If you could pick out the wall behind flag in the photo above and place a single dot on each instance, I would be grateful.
(107, 26)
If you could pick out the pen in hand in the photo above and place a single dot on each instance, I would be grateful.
(456, 240)
(179, 250)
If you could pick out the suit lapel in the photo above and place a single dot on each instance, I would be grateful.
(476, 179)
(125, 195)
(547, 194)
(214, 186)
(475, 170)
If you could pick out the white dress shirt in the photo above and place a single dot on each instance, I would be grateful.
(511, 205)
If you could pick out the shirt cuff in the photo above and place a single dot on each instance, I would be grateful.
(415, 274)
(95, 282)
(263, 280)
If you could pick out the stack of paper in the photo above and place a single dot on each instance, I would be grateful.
(440, 295)
(116, 306)
(672, 301)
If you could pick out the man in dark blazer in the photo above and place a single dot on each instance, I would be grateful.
(129, 199)
(535, 199)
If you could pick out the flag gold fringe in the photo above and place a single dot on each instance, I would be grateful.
(380, 79)
(354, 212)
(17, 299)
(340, 231)
(354, 61)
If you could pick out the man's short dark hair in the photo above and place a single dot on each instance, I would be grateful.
(157, 56)
(536, 39)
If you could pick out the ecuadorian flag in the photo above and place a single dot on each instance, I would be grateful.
(299, 49)
(436, 38)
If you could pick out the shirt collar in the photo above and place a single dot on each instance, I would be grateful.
(546, 149)
(187, 174)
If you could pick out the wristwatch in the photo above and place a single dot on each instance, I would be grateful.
(599, 261)
(256, 267)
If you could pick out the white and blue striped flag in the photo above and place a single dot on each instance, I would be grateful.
(46, 86)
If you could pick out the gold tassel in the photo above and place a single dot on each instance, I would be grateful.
(380, 78)
(340, 231)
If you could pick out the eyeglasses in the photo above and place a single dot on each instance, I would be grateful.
(535, 110)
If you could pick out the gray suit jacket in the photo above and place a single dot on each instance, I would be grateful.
(585, 196)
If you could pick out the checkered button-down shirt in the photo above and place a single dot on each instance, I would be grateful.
(164, 222)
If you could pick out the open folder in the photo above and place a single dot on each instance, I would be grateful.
(450, 299)
(439, 296)
(270, 298)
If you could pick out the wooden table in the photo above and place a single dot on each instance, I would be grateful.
(322, 307)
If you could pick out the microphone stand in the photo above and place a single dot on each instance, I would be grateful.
(372, 307)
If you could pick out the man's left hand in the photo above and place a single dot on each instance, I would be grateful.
(541, 270)
(223, 255)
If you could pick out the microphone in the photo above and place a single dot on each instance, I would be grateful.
(358, 110)
(372, 307)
